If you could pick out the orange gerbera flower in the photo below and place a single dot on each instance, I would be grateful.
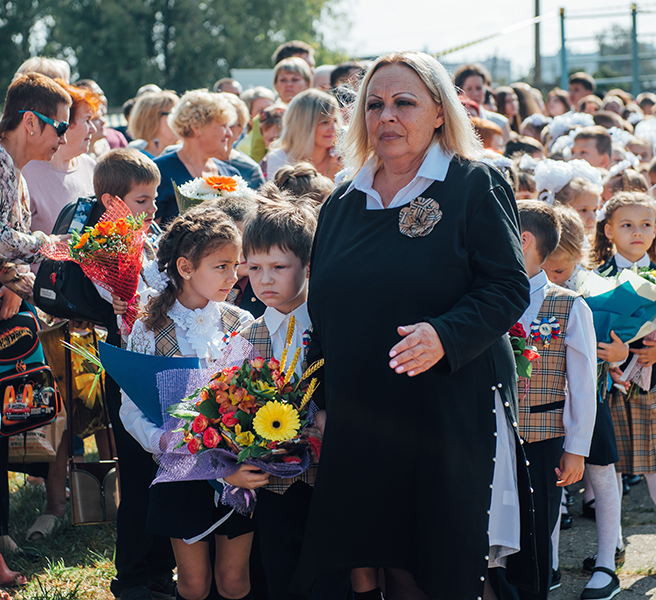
(105, 228)
(84, 238)
(225, 184)
(122, 227)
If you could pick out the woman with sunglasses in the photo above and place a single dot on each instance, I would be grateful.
(33, 127)
(69, 174)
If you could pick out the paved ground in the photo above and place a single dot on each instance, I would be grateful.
(638, 575)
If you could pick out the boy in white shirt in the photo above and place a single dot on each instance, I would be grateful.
(276, 244)
(557, 405)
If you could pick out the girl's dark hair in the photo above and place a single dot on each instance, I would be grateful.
(502, 93)
(194, 234)
(602, 249)
(32, 91)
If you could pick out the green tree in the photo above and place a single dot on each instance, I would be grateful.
(178, 44)
(18, 20)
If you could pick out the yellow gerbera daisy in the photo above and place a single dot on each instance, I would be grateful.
(277, 422)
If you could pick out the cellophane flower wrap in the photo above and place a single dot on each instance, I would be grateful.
(200, 189)
(525, 355)
(109, 253)
(245, 410)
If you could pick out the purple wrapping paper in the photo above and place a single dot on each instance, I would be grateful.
(179, 464)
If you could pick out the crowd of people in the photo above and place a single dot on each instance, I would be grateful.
(482, 206)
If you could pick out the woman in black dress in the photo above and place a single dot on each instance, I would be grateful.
(417, 274)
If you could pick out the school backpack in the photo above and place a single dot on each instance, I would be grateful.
(61, 288)
(27, 386)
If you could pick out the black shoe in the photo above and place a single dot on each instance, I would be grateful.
(555, 579)
(631, 479)
(566, 522)
(605, 593)
(569, 498)
(588, 510)
(163, 588)
(589, 563)
(140, 592)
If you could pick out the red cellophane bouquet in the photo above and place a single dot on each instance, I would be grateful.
(109, 253)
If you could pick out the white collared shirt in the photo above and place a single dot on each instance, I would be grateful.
(625, 263)
(434, 168)
(277, 324)
(581, 366)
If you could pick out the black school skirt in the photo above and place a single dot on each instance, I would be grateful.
(603, 449)
(185, 509)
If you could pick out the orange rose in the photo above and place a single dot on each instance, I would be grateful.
(84, 238)
(122, 227)
(221, 183)
(105, 228)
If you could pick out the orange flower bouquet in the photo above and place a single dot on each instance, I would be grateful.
(209, 188)
(109, 253)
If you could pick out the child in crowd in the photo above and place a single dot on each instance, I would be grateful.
(625, 238)
(562, 268)
(301, 180)
(144, 562)
(271, 123)
(651, 172)
(240, 209)
(199, 253)
(584, 197)
(627, 180)
(277, 245)
(556, 413)
(593, 144)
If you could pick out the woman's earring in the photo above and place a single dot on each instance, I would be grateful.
(31, 133)
(156, 142)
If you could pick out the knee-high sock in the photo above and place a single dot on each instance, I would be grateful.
(607, 506)
(651, 483)
(555, 542)
(620, 488)
(588, 492)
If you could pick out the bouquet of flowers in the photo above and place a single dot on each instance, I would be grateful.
(255, 411)
(524, 354)
(200, 189)
(109, 253)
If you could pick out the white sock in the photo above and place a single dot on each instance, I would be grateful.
(607, 506)
(555, 541)
(651, 483)
(620, 487)
(588, 492)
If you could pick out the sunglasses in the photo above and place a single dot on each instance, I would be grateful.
(60, 127)
(271, 113)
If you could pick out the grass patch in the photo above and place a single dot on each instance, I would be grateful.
(77, 563)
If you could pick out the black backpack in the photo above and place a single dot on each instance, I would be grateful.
(61, 288)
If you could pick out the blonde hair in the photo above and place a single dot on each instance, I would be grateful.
(301, 118)
(54, 68)
(572, 232)
(293, 64)
(576, 187)
(243, 114)
(147, 111)
(198, 108)
(456, 135)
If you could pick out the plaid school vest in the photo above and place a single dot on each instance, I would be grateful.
(166, 341)
(257, 334)
(541, 407)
